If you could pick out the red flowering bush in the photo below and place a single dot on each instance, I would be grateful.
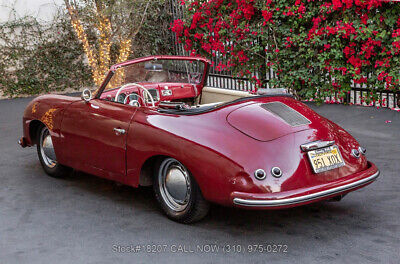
(315, 47)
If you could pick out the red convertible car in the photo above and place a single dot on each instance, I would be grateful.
(154, 122)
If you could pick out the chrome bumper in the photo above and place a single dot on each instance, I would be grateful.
(22, 142)
(306, 198)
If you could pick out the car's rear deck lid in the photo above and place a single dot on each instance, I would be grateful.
(267, 121)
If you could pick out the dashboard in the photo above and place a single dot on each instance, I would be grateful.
(159, 92)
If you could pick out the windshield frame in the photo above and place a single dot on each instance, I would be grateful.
(113, 68)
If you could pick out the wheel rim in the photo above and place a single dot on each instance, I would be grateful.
(174, 184)
(47, 149)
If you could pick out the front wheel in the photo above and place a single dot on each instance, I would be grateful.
(47, 155)
(178, 193)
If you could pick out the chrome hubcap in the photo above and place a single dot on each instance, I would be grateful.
(47, 149)
(174, 183)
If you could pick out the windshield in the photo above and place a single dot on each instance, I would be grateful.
(158, 71)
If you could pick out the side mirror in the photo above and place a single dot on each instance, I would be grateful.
(86, 95)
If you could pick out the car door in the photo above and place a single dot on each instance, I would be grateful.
(95, 135)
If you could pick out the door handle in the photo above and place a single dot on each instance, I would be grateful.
(119, 131)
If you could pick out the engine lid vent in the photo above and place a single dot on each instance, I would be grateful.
(286, 113)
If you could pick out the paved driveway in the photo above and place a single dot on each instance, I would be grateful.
(84, 219)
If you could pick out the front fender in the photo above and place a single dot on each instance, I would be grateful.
(48, 110)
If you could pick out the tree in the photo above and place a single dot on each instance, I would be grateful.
(102, 25)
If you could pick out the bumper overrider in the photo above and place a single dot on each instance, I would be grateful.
(307, 195)
(22, 142)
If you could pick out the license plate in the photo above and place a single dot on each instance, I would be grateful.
(325, 159)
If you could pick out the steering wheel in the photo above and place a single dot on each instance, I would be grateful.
(133, 102)
(139, 86)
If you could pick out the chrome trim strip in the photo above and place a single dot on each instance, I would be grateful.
(316, 145)
(305, 198)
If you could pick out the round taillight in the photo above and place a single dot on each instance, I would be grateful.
(276, 172)
(260, 174)
(362, 150)
(355, 153)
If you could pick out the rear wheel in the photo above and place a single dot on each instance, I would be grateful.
(47, 156)
(178, 193)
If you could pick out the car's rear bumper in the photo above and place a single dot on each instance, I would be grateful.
(307, 195)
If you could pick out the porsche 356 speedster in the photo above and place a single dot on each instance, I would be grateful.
(154, 121)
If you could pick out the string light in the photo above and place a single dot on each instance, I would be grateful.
(100, 63)
(104, 27)
(80, 33)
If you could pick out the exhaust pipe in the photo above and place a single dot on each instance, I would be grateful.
(337, 198)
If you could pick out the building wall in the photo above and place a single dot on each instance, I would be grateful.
(42, 9)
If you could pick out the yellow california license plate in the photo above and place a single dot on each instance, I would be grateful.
(325, 159)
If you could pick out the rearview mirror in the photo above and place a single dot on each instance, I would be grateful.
(86, 95)
(155, 67)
